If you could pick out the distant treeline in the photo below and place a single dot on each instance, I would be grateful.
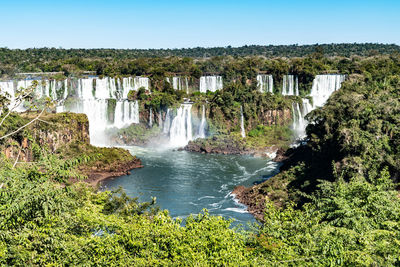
(345, 50)
(312, 60)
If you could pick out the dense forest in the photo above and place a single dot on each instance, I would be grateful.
(345, 50)
(335, 202)
(156, 61)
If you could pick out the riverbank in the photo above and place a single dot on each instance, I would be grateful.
(96, 176)
(276, 189)
(102, 162)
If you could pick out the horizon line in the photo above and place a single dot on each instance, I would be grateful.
(203, 47)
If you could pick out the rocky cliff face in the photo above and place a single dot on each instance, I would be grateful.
(52, 131)
(66, 135)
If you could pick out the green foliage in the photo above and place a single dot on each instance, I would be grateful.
(361, 122)
(43, 223)
(346, 224)
(137, 134)
(264, 136)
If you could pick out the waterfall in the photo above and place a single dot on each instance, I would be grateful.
(187, 85)
(290, 85)
(180, 132)
(105, 103)
(265, 83)
(176, 83)
(167, 122)
(141, 82)
(179, 83)
(306, 107)
(126, 113)
(151, 118)
(127, 85)
(85, 89)
(65, 94)
(323, 86)
(243, 132)
(210, 83)
(202, 128)
(104, 100)
(299, 124)
(105, 88)
(7, 89)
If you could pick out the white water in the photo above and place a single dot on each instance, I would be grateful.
(92, 97)
(180, 132)
(210, 83)
(322, 88)
(167, 122)
(180, 127)
(151, 118)
(242, 131)
(290, 85)
(179, 83)
(141, 82)
(299, 124)
(105, 88)
(202, 128)
(265, 83)
(45, 88)
(126, 113)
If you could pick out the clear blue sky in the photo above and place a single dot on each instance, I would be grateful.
(177, 24)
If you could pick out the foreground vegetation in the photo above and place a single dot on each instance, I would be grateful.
(42, 222)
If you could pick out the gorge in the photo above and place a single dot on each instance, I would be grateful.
(169, 173)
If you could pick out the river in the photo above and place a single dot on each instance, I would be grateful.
(186, 183)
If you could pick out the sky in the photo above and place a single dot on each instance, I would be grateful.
(206, 23)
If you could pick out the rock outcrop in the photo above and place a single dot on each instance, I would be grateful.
(67, 136)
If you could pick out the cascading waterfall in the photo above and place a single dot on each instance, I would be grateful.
(203, 123)
(265, 83)
(95, 95)
(307, 107)
(139, 82)
(65, 93)
(299, 124)
(167, 122)
(126, 113)
(180, 132)
(242, 132)
(127, 85)
(290, 85)
(103, 100)
(179, 83)
(322, 88)
(210, 83)
(85, 89)
(187, 85)
(44, 88)
(151, 118)
(105, 88)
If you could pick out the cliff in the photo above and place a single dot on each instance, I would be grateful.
(66, 135)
